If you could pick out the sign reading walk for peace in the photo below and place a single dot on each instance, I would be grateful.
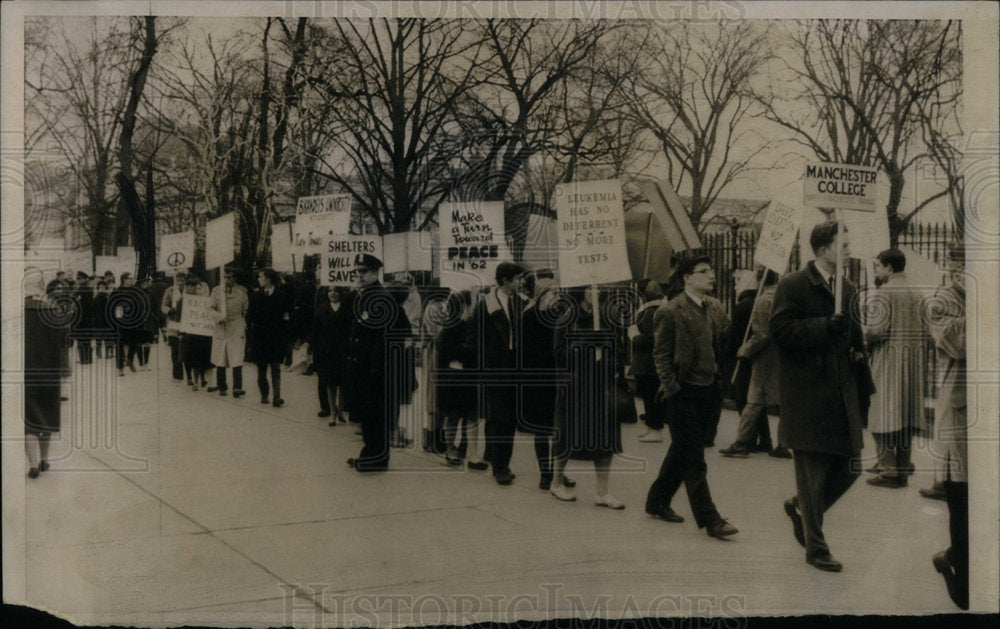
(337, 258)
(777, 236)
(472, 243)
(591, 233)
(844, 186)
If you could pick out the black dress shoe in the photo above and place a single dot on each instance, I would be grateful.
(933, 493)
(891, 482)
(763, 447)
(735, 451)
(43, 465)
(721, 529)
(568, 482)
(237, 393)
(278, 403)
(213, 390)
(323, 414)
(545, 484)
(504, 478)
(479, 466)
(958, 594)
(781, 452)
(666, 514)
(33, 472)
(264, 400)
(797, 529)
(825, 562)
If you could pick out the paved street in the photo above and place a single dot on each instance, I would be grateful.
(186, 507)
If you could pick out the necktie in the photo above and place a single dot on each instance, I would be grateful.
(510, 317)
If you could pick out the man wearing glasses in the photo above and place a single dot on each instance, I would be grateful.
(688, 340)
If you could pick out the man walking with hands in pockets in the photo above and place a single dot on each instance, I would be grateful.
(824, 386)
(688, 338)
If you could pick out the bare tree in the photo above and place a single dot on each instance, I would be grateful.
(870, 89)
(516, 110)
(693, 98)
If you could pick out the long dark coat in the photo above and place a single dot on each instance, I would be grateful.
(267, 326)
(367, 373)
(492, 331)
(457, 392)
(328, 338)
(824, 391)
(43, 350)
(538, 369)
(83, 325)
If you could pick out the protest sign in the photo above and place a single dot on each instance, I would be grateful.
(102, 264)
(777, 236)
(472, 243)
(197, 316)
(128, 260)
(318, 217)
(219, 241)
(591, 233)
(337, 258)
(176, 251)
(541, 249)
(406, 252)
(844, 186)
(281, 248)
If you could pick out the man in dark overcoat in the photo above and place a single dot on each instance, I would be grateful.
(495, 330)
(824, 386)
(366, 386)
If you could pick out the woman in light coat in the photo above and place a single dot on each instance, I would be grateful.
(230, 301)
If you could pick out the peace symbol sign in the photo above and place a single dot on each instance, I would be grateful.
(176, 259)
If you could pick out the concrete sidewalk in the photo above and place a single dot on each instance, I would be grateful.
(165, 506)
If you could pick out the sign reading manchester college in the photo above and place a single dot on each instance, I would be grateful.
(844, 186)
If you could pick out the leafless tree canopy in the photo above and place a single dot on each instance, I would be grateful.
(245, 115)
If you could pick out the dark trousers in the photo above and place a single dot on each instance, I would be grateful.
(120, 349)
(375, 433)
(893, 450)
(646, 386)
(543, 453)
(500, 443)
(693, 417)
(85, 351)
(327, 390)
(958, 526)
(220, 378)
(275, 379)
(820, 479)
(175, 357)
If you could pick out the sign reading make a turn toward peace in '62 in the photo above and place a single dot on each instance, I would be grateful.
(845, 186)
(591, 233)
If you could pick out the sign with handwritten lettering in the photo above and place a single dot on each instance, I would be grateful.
(590, 228)
(472, 243)
(338, 256)
(197, 315)
(777, 236)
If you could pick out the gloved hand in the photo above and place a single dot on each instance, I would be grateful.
(838, 325)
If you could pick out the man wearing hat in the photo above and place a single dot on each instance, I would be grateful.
(366, 390)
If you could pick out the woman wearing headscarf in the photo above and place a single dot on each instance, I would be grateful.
(327, 340)
(43, 351)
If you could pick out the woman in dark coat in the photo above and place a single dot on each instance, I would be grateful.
(196, 349)
(43, 351)
(538, 362)
(457, 399)
(327, 343)
(267, 330)
(589, 429)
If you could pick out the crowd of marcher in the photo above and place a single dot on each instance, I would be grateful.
(526, 356)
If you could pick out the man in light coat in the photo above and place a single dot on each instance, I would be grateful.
(946, 319)
(230, 301)
(897, 342)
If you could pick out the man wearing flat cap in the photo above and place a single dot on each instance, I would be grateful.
(366, 383)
